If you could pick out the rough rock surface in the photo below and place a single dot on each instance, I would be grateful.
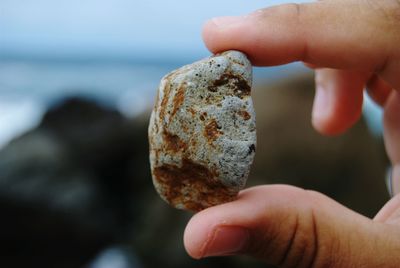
(202, 132)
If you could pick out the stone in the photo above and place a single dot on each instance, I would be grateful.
(202, 132)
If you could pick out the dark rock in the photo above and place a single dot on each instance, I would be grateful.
(71, 183)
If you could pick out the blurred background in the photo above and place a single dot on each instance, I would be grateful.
(77, 83)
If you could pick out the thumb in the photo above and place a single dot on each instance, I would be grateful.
(291, 227)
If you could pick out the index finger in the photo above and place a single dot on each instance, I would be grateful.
(341, 34)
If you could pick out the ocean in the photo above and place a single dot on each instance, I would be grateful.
(29, 86)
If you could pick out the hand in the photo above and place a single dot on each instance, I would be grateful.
(351, 44)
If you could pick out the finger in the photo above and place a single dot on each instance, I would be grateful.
(391, 132)
(290, 227)
(378, 90)
(341, 34)
(338, 99)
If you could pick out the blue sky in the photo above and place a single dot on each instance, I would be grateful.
(116, 27)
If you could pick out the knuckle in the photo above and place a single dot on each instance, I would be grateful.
(294, 10)
(291, 12)
(303, 239)
(295, 245)
(302, 250)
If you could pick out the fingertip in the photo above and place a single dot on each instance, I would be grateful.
(333, 125)
(194, 237)
(200, 229)
(220, 33)
(323, 113)
(208, 34)
(338, 100)
(322, 107)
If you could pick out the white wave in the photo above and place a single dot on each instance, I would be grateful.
(18, 116)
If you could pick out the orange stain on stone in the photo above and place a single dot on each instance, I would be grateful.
(192, 185)
(178, 99)
(173, 142)
(244, 114)
(212, 131)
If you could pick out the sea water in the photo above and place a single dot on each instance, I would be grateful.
(28, 87)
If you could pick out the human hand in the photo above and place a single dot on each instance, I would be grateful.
(352, 44)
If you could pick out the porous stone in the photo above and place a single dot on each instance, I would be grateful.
(202, 132)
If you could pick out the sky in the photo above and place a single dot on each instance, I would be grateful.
(112, 27)
(146, 29)
(156, 30)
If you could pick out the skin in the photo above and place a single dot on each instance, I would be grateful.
(351, 44)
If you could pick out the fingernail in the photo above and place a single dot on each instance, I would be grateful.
(222, 22)
(226, 240)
